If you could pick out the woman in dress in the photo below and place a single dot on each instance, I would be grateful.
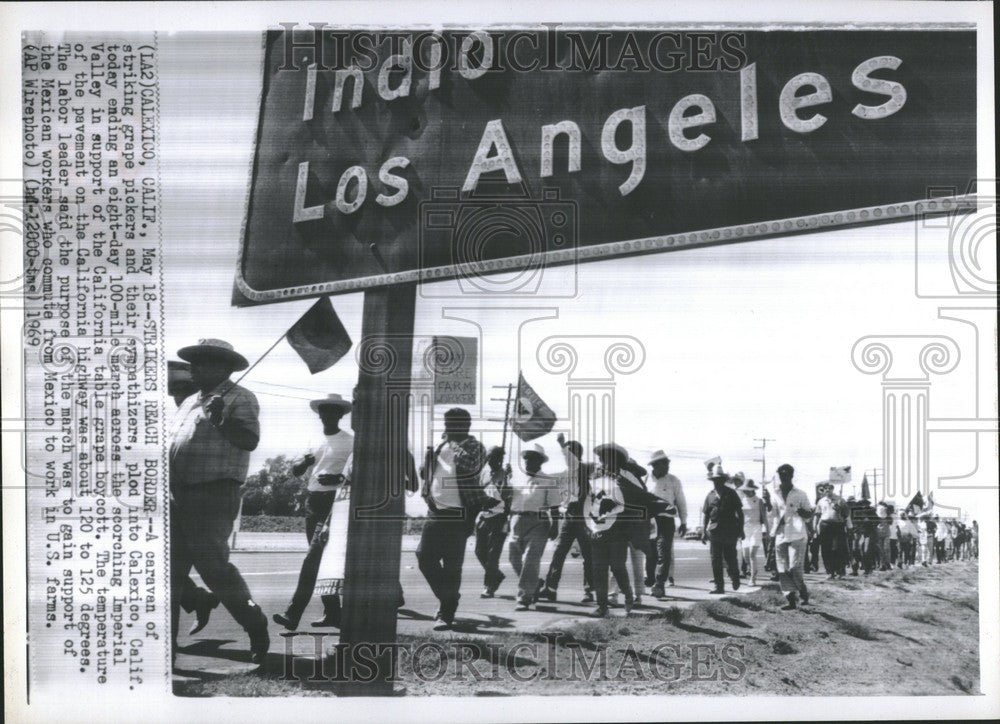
(754, 522)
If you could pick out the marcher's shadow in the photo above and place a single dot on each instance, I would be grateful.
(210, 647)
(578, 610)
(415, 615)
(477, 626)
(691, 628)
(729, 620)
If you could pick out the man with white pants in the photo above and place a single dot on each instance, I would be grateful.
(793, 509)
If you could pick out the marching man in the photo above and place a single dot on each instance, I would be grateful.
(668, 488)
(534, 508)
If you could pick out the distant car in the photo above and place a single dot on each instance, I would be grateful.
(693, 534)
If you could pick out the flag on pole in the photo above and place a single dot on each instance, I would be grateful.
(917, 502)
(319, 336)
(866, 494)
(930, 499)
(840, 475)
(532, 417)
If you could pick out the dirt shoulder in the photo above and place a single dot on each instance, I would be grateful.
(898, 633)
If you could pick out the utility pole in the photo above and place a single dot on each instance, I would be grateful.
(875, 472)
(763, 463)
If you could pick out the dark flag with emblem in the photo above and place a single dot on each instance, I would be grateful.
(532, 417)
(319, 337)
(917, 503)
(865, 492)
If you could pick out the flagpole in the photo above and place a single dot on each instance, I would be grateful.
(506, 418)
(259, 359)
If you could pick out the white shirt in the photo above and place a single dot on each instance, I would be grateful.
(533, 493)
(444, 486)
(331, 458)
(788, 524)
(669, 488)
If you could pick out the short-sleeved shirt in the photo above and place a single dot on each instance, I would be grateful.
(789, 525)
(754, 512)
(199, 452)
(532, 493)
(723, 510)
(832, 510)
(331, 459)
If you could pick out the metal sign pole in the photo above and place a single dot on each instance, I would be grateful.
(375, 535)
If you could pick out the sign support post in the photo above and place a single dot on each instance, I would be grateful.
(375, 530)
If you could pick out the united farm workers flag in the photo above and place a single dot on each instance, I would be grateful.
(532, 417)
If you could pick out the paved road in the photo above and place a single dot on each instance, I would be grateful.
(222, 647)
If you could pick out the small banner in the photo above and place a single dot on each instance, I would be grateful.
(840, 475)
(330, 579)
(454, 361)
(319, 337)
(532, 417)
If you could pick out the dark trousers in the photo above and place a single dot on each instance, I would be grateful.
(440, 555)
(939, 551)
(722, 548)
(194, 596)
(571, 529)
(833, 544)
(307, 579)
(664, 548)
(609, 550)
(864, 551)
(201, 521)
(318, 506)
(652, 556)
(908, 546)
(812, 554)
(894, 552)
(490, 537)
(769, 562)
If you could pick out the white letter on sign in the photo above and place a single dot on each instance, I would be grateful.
(895, 91)
(357, 84)
(402, 62)
(636, 152)
(392, 181)
(549, 134)
(789, 103)
(465, 68)
(359, 198)
(307, 108)
(484, 163)
(748, 102)
(300, 213)
(678, 121)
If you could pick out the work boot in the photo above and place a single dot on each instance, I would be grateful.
(522, 606)
(717, 591)
(546, 594)
(790, 606)
(487, 593)
(588, 597)
(260, 643)
(286, 620)
(658, 591)
(202, 612)
(599, 612)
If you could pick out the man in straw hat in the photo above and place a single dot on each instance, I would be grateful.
(324, 469)
(667, 487)
(534, 505)
(791, 534)
(211, 439)
(722, 521)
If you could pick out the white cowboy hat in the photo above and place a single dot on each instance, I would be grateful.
(749, 485)
(535, 449)
(214, 348)
(332, 400)
(657, 456)
(717, 473)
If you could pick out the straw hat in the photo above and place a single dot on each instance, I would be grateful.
(717, 473)
(214, 349)
(332, 400)
(750, 485)
(657, 456)
(535, 449)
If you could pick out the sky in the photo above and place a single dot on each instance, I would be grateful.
(739, 342)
